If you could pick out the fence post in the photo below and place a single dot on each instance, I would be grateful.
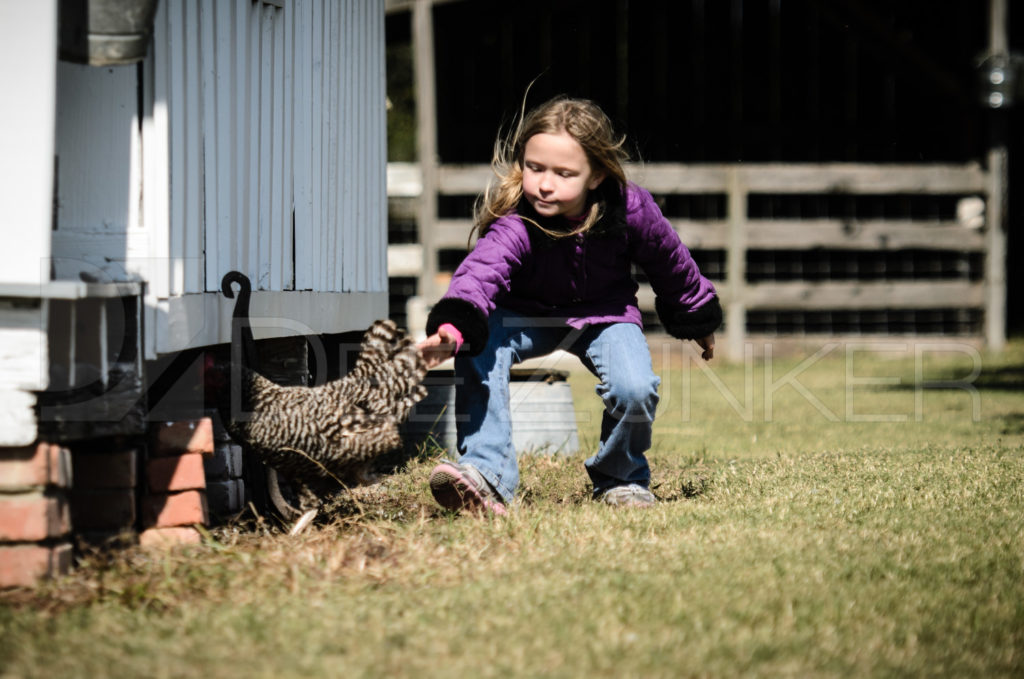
(995, 251)
(426, 133)
(995, 209)
(736, 265)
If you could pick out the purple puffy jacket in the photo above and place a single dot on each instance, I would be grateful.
(584, 279)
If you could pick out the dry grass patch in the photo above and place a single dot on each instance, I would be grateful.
(822, 548)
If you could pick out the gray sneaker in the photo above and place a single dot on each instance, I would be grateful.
(461, 486)
(627, 495)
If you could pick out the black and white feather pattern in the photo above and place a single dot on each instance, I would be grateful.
(326, 436)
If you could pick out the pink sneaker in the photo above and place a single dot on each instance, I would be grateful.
(461, 486)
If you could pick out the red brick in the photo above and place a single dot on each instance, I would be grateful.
(187, 436)
(107, 509)
(24, 565)
(116, 469)
(175, 509)
(169, 537)
(33, 516)
(42, 464)
(182, 472)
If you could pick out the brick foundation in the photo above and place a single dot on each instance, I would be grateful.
(104, 495)
(186, 436)
(107, 488)
(165, 510)
(35, 523)
(168, 537)
(23, 565)
(181, 472)
(175, 499)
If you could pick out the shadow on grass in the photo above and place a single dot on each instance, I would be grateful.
(687, 484)
(1003, 378)
(1012, 424)
(1007, 378)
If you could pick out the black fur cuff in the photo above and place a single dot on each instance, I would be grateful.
(470, 321)
(690, 325)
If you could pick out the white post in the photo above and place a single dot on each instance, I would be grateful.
(736, 267)
(426, 130)
(995, 234)
(28, 83)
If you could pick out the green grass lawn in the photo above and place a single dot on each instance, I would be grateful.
(858, 511)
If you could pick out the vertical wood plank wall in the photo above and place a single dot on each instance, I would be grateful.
(98, 183)
(274, 136)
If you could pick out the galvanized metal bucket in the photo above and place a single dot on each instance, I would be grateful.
(105, 32)
(543, 416)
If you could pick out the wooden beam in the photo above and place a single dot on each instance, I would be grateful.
(809, 178)
(736, 265)
(847, 295)
(867, 179)
(404, 180)
(405, 260)
(996, 212)
(452, 233)
(737, 234)
(678, 178)
(426, 130)
(998, 40)
(928, 294)
(809, 234)
(712, 234)
(396, 6)
(463, 180)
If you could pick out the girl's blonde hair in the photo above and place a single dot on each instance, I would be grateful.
(581, 119)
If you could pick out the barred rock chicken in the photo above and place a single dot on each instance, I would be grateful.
(323, 437)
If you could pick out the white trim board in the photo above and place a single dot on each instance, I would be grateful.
(204, 319)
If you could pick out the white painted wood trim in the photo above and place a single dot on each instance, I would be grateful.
(23, 349)
(156, 172)
(70, 290)
(28, 79)
(205, 319)
(17, 418)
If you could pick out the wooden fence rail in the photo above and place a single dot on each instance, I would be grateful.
(738, 233)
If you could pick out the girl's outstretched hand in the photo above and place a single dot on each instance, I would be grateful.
(437, 348)
(708, 345)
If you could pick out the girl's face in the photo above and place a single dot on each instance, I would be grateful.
(557, 175)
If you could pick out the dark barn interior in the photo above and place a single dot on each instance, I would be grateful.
(746, 81)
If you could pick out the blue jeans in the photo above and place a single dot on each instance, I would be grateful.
(616, 353)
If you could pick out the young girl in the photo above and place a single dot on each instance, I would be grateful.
(552, 269)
